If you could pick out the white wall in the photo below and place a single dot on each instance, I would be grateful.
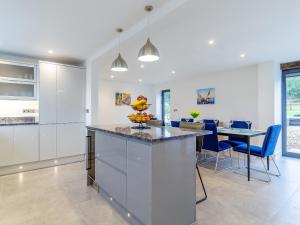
(236, 95)
(108, 112)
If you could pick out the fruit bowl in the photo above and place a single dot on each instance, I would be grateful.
(140, 107)
(140, 118)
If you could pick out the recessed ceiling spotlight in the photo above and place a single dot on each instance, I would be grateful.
(173, 72)
(140, 80)
(50, 51)
(20, 167)
(112, 76)
(211, 42)
(243, 55)
(142, 66)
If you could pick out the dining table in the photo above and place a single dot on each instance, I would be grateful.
(246, 134)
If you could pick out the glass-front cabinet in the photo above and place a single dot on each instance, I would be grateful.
(17, 81)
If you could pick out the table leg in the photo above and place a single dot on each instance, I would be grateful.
(248, 157)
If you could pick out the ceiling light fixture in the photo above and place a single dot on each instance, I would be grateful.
(112, 76)
(50, 51)
(173, 72)
(211, 42)
(148, 53)
(142, 66)
(243, 55)
(140, 80)
(119, 64)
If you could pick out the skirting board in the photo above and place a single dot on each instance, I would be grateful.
(39, 164)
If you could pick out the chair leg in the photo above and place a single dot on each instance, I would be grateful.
(244, 160)
(266, 171)
(230, 155)
(205, 197)
(218, 154)
(239, 160)
(279, 174)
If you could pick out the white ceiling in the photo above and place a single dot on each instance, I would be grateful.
(262, 29)
(73, 29)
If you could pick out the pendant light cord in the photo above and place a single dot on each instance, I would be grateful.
(119, 43)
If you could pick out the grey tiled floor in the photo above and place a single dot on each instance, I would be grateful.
(59, 196)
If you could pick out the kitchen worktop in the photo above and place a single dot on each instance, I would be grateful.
(13, 121)
(154, 134)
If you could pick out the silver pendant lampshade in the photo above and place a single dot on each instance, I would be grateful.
(148, 53)
(119, 64)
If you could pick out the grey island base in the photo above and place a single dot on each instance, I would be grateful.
(148, 175)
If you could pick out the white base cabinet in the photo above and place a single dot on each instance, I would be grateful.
(70, 139)
(19, 144)
(26, 144)
(6, 145)
(48, 142)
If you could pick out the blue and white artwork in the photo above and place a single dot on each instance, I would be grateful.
(206, 96)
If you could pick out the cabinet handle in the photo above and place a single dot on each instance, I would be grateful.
(88, 154)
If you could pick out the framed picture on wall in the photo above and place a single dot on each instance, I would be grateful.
(206, 96)
(122, 99)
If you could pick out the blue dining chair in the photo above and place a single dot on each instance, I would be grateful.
(175, 123)
(235, 141)
(211, 121)
(211, 143)
(190, 120)
(267, 149)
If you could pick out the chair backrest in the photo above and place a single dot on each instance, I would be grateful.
(270, 140)
(210, 142)
(187, 120)
(175, 123)
(155, 123)
(241, 124)
(211, 121)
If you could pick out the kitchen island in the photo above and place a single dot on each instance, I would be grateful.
(148, 175)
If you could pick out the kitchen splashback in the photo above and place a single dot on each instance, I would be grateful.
(18, 108)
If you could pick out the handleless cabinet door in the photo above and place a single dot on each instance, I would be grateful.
(26, 143)
(70, 94)
(47, 101)
(111, 149)
(47, 142)
(6, 146)
(139, 180)
(70, 139)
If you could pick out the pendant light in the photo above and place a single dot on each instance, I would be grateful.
(119, 64)
(148, 53)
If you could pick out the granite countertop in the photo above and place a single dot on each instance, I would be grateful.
(13, 121)
(154, 134)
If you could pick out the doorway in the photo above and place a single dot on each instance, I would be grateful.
(291, 112)
(165, 106)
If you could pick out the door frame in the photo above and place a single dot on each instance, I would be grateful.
(163, 103)
(285, 74)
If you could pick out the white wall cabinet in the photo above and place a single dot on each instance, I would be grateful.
(6, 145)
(70, 94)
(47, 100)
(48, 142)
(70, 139)
(62, 94)
(26, 144)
